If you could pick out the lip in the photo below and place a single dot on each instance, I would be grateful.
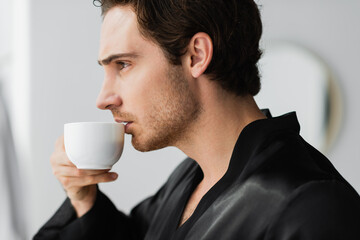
(127, 125)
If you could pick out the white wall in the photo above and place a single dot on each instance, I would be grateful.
(5, 44)
(65, 80)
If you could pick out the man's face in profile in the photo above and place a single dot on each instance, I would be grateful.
(141, 87)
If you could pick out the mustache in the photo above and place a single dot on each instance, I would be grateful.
(123, 115)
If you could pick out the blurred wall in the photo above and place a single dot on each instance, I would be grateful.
(330, 29)
(65, 80)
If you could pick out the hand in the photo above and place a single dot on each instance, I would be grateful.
(79, 185)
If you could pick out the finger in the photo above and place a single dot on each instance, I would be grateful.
(59, 144)
(66, 161)
(69, 182)
(69, 171)
(60, 159)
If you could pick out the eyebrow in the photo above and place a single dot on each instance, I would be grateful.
(113, 57)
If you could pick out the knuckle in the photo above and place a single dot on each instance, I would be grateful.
(65, 182)
(90, 180)
(78, 172)
(55, 172)
(67, 161)
(59, 142)
(53, 158)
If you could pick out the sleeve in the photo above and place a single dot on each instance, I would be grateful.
(103, 221)
(319, 211)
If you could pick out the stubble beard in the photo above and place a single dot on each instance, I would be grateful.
(173, 112)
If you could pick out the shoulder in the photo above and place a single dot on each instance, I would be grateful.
(326, 209)
(313, 201)
(290, 162)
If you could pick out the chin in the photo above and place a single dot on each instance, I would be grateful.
(147, 146)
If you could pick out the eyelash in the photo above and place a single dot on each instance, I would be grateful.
(122, 64)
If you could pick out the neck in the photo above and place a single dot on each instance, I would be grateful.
(213, 136)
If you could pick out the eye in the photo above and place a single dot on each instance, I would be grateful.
(121, 65)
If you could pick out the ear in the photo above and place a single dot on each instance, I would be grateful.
(200, 51)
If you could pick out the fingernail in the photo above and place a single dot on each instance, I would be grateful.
(113, 175)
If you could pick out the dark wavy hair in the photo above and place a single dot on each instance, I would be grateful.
(233, 25)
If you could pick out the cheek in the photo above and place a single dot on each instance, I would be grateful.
(147, 88)
(151, 87)
(141, 101)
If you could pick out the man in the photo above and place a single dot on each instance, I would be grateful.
(183, 73)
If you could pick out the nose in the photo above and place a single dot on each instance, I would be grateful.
(108, 98)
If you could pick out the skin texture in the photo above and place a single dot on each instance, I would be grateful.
(166, 105)
(144, 89)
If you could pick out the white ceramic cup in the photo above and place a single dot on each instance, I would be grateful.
(94, 145)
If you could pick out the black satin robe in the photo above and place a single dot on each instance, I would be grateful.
(277, 187)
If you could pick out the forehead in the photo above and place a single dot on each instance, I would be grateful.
(119, 32)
